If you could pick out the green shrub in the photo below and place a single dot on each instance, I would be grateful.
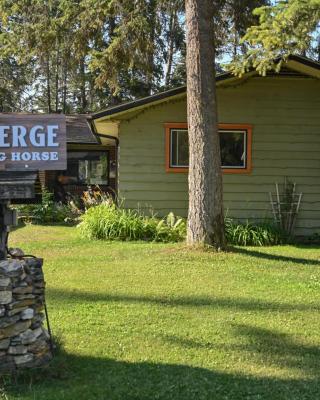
(250, 234)
(107, 221)
(47, 211)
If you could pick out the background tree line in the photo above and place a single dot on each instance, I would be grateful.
(83, 55)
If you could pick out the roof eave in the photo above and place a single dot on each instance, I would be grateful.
(136, 104)
(298, 63)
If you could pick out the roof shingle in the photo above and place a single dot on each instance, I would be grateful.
(79, 129)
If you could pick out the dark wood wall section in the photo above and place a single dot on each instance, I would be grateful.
(51, 181)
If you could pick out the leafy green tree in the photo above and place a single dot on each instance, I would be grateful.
(288, 27)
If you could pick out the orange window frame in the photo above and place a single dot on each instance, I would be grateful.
(235, 127)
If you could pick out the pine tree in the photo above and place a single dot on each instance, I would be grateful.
(205, 217)
(288, 27)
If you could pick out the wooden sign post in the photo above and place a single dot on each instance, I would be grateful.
(28, 143)
(3, 232)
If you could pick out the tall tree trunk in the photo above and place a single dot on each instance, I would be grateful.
(57, 81)
(152, 10)
(172, 30)
(48, 76)
(115, 99)
(83, 85)
(64, 92)
(205, 218)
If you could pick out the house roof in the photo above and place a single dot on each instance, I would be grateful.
(158, 97)
(79, 130)
(299, 64)
(139, 102)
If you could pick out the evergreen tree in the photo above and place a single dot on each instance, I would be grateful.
(83, 55)
(288, 27)
(205, 217)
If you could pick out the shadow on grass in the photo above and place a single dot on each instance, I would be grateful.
(275, 257)
(307, 246)
(89, 378)
(242, 304)
(47, 224)
(16, 228)
(263, 347)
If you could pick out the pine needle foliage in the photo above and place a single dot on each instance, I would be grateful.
(285, 28)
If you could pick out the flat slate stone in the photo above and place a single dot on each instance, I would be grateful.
(14, 330)
(35, 263)
(39, 346)
(27, 314)
(4, 282)
(39, 331)
(11, 268)
(21, 303)
(26, 358)
(22, 290)
(28, 336)
(24, 296)
(4, 344)
(16, 311)
(17, 350)
(5, 296)
(7, 321)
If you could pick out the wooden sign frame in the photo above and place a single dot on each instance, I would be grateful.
(33, 142)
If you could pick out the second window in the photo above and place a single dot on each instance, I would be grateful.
(235, 148)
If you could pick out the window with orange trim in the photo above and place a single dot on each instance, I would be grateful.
(235, 147)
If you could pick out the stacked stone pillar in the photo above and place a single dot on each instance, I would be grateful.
(24, 342)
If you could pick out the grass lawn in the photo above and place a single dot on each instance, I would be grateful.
(152, 321)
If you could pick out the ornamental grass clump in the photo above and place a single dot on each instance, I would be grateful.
(109, 222)
(250, 234)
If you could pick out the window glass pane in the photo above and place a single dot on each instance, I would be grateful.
(84, 170)
(179, 148)
(233, 146)
(233, 149)
(98, 171)
(174, 144)
(87, 167)
(183, 148)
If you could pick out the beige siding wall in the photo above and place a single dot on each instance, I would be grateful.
(285, 114)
